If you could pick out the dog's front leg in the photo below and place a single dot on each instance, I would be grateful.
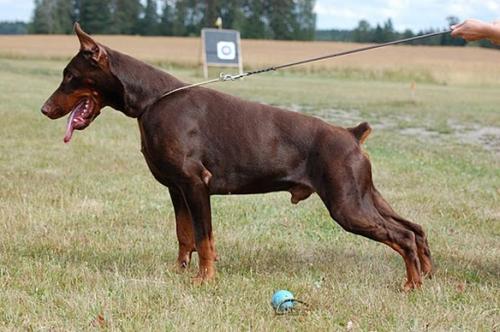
(198, 201)
(184, 228)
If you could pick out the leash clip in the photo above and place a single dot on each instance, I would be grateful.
(226, 77)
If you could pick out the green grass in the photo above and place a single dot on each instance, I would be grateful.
(85, 230)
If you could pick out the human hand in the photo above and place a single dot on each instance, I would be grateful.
(471, 30)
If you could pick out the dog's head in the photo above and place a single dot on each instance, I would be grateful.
(87, 86)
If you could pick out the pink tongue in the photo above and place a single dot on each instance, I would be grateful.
(69, 128)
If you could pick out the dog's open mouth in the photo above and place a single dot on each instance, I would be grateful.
(81, 116)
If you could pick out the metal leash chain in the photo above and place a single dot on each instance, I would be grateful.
(227, 77)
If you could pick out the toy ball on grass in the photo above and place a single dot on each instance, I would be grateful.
(283, 301)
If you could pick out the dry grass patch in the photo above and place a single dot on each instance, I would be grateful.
(420, 63)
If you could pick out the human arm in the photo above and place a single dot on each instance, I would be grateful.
(471, 30)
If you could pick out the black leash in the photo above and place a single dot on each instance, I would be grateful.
(226, 77)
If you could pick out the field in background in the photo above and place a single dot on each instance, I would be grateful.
(444, 65)
(87, 235)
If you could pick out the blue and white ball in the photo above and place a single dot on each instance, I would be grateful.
(282, 301)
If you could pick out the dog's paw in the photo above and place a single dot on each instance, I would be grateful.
(198, 281)
(428, 271)
(411, 285)
(206, 274)
(180, 266)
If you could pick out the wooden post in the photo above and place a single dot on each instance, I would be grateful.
(203, 55)
(413, 88)
(240, 57)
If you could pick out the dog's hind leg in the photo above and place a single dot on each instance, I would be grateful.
(370, 224)
(424, 253)
(345, 190)
(184, 228)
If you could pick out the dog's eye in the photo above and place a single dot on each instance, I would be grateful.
(68, 76)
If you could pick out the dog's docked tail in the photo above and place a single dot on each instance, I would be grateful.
(361, 131)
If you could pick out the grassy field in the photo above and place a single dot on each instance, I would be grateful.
(87, 235)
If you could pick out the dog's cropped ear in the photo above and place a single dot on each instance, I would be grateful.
(89, 47)
(361, 131)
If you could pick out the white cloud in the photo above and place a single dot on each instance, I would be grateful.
(493, 5)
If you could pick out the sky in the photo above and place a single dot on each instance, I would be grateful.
(405, 14)
(342, 14)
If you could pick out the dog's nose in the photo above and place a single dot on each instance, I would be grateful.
(45, 110)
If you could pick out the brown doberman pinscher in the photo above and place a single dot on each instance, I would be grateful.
(200, 142)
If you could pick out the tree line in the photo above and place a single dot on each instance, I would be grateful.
(270, 19)
(258, 19)
(13, 28)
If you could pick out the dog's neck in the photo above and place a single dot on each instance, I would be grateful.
(142, 84)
